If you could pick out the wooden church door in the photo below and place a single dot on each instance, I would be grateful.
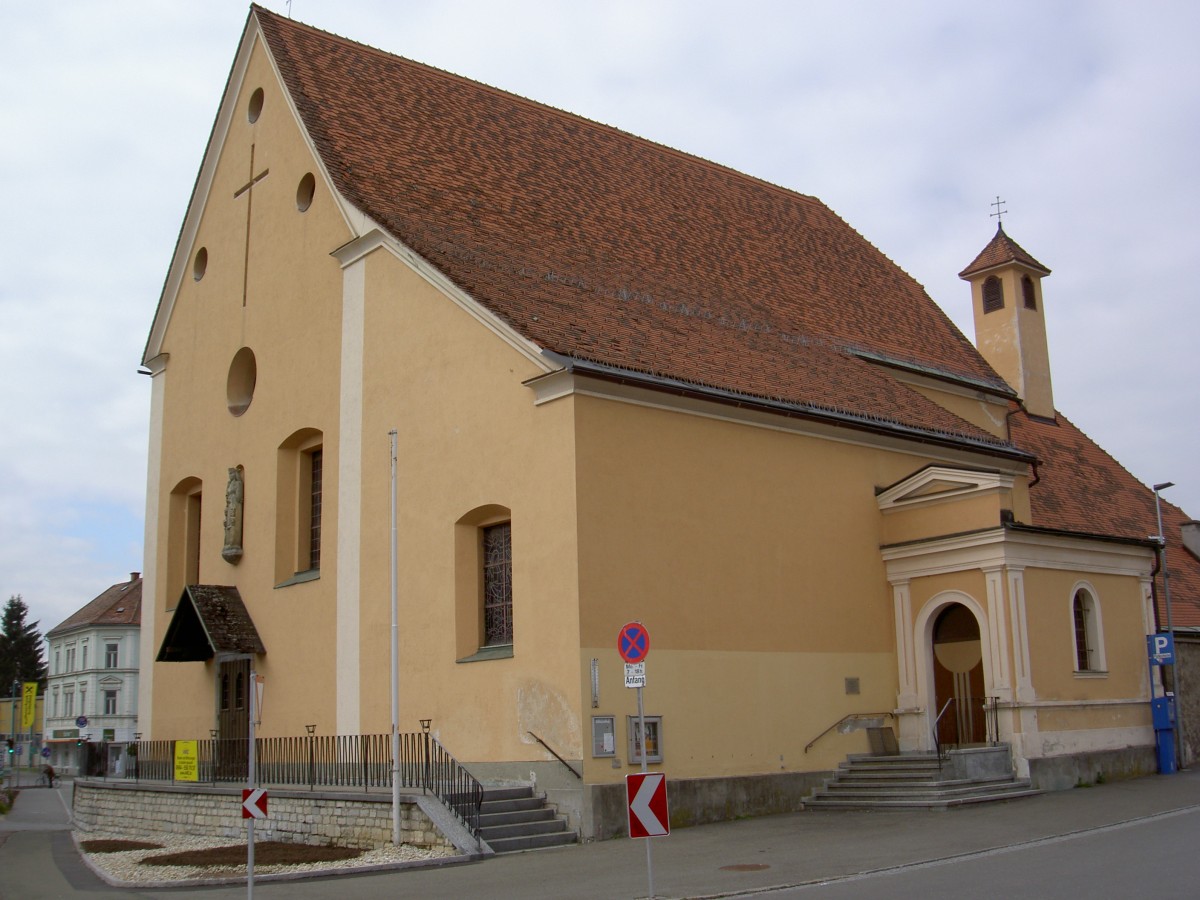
(231, 753)
(958, 677)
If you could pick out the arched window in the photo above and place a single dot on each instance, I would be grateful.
(1087, 632)
(183, 538)
(993, 294)
(298, 506)
(1028, 293)
(484, 584)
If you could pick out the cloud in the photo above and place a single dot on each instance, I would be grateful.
(906, 119)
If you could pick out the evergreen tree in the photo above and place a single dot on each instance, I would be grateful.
(20, 648)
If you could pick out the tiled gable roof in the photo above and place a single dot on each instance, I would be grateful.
(120, 604)
(1083, 489)
(601, 246)
(1001, 249)
(210, 620)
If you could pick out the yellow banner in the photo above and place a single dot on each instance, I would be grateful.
(28, 705)
(187, 761)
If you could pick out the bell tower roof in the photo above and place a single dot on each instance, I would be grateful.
(1001, 250)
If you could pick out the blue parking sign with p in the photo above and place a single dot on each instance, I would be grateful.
(1161, 648)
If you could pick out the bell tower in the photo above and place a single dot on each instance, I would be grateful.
(1010, 323)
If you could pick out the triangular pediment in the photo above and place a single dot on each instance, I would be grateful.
(940, 483)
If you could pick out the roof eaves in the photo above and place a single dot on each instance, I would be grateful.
(998, 388)
(844, 418)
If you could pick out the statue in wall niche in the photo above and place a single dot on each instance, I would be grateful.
(235, 492)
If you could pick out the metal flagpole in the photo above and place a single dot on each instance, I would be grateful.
(395, 664)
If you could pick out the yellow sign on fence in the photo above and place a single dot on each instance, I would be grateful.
(187, 761)
(28, 705)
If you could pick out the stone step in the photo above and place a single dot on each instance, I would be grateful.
(532, 842)
(515, 817)
(946, 803)
(554, 825)
(512, 819)
(872, 782)
(933, 792)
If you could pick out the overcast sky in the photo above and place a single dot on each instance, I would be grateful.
(908, 119)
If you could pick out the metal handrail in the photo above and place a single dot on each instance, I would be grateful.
(989, 706)
(937, 736)
(555, 755)
(846, 718)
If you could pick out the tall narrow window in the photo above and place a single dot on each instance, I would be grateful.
(110, 703)
(497, 585)
(993, 294)
(183, 539)
(314, 516)
(191, 571)
(1028, 293)
(1083, 652)
(299, 508)
(110, 655)
(83, 651)
(1087, 632)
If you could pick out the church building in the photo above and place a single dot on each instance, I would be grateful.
(626, 385)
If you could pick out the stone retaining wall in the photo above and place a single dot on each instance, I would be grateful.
(326, 818)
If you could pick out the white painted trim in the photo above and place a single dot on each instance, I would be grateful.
(923, 645)
(905, 657)
(349, 521)
(1100, 657)
(998, 649)
(378, 239)
(146, 649)
(949, 484)
(1020, 625)
(1009, 547)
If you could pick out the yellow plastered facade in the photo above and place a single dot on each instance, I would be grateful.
(789, 575)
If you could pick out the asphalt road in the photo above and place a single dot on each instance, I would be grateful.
(1119, 840)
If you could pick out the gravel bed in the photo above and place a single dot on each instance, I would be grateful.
(127, 865)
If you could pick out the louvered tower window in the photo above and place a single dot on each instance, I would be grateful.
(993, 294)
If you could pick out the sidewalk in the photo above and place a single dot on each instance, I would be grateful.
(728, 859)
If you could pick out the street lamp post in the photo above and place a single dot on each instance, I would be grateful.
(1176, 669)
(311, 776)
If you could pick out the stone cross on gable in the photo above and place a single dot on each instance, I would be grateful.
(248, 190)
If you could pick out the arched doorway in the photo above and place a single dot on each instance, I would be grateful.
(958, 677)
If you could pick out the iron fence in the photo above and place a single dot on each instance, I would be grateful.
(361, 761)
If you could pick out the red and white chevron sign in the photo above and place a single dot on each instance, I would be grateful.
(647, 796)
(254, 803)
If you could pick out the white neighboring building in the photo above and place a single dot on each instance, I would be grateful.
(93, 664)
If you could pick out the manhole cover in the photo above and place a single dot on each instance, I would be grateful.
(745, 867)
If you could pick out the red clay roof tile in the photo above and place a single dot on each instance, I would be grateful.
(599, 245)
(1000, 250)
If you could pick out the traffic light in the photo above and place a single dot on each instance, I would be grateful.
(11, 747)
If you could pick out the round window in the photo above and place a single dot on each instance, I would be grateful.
(239, 386)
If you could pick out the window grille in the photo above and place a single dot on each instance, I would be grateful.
(497, 585)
